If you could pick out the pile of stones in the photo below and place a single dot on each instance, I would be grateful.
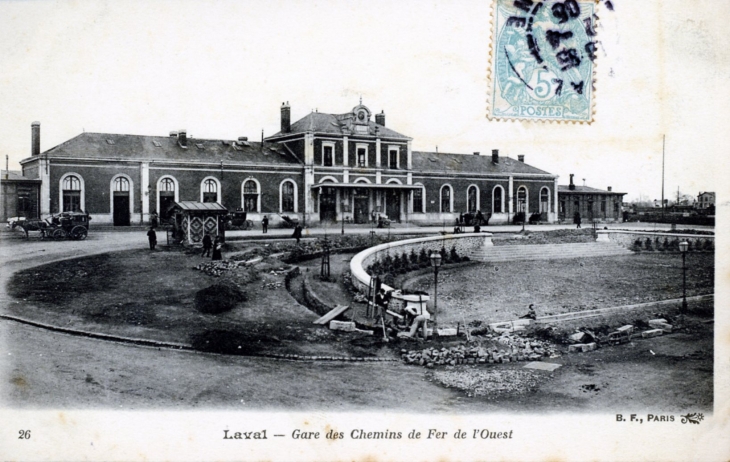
(507, 348)
(217, 268)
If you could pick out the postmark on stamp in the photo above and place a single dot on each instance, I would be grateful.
(542, 60)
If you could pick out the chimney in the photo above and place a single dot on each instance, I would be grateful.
(521, 158)
(182, 138)
(242, 138)
(495, 156)
(609, 189)
(476, 153)
(173, 134)
(380, 118)
(285, 117)
(571, 186)
(35, 141)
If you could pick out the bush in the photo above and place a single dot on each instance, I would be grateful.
(423, 256)
(413, 257)
(637, 244)
(518, 218)
(218, 298)
(647, 244)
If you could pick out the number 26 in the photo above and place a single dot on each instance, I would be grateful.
(24, 434)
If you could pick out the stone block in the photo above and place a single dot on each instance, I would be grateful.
(625, 329)
(446, 332)
(347, 326)
(577, 337)
(577, 348)
(590, 346)
(652, 333)
(653, 322)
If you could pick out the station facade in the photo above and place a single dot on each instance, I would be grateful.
(321, 168)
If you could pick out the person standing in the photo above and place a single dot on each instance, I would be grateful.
(576, 219)
(217, 245)
(207, 245)
(265, 224)
(152, 237)
(297, 232)
(479, 218)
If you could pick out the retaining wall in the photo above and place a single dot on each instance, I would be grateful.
(627, 238)
(464, 243)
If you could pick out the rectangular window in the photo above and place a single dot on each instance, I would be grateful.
(361, 157)
(71, 201)
(328, 156)
(603, 205)
(418, 200)
(393, 158)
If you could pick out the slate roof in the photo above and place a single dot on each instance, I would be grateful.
(469, 163)
(336, 124)
(15, 175)
(159, 148)
(584, 190)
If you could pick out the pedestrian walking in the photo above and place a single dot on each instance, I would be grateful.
(217, 245)
(265, 224)
(576, 219)
(207, 245)
(297, 232)
(152, 237)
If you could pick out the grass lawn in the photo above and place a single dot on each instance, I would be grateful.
(501, 291)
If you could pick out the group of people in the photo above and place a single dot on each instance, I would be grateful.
(211, 246)
(477, 220)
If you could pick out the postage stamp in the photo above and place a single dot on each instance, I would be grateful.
(542, 60)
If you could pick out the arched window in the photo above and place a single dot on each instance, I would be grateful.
(288, 197)
(71, 190)
(472, 199)
(166, 196)
(544, 200)
(167, 185)
(498, 199)
(250, 196)
(522, 199)
(446, 199)
(210, 190)
(121, 184)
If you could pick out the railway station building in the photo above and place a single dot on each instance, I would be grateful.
(321, 168)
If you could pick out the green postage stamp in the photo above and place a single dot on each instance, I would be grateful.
(542, 60)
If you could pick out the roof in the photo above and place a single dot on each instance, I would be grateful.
(336, 124)
(161, 148)
(584, 190)
(15, 175)
(468, 163)
(194, 206)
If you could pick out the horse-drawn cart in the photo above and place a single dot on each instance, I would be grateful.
(65, 225)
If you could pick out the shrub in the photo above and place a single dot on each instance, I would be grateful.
(647, 244)
(423, 256)
(413, 257)
(518, 218)
(637, 244)
(709, 244)
(218, 298)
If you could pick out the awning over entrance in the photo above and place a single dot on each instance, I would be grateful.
(407, 187)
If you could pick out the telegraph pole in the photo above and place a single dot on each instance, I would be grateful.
(663, 142)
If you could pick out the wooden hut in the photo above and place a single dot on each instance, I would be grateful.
(193, 220)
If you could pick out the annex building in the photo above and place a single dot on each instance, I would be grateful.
(321, 168)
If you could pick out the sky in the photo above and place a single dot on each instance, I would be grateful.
(221, 69)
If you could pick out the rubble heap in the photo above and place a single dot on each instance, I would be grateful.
(217, 268)
(506, 348)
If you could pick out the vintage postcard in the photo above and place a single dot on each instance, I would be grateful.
(323, 231)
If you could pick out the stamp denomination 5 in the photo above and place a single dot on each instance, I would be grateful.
(542, 60)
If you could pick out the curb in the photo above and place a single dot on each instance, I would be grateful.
(180, 346)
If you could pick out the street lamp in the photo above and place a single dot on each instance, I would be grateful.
(524, 214)
(435, 262)
(683, 246)
(342, 215)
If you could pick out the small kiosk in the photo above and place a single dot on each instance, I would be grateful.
(192, 220)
